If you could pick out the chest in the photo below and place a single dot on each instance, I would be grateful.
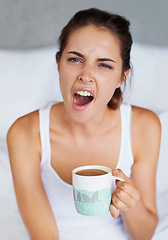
(67, 154)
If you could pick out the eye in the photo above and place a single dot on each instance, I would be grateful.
(74, 60)
(103, 65)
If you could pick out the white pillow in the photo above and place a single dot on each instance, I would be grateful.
(29, 79)
(149, 81)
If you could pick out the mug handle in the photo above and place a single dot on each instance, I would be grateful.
(117, 178)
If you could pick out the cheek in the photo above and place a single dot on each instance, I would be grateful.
(66, 81)
(108, 88)
(63, 83)
(109, 94)
(104, 95)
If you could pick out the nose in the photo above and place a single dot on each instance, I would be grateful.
(86, 75)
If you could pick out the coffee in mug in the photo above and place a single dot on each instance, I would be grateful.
(91, 172)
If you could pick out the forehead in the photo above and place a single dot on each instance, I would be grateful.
(92, 38)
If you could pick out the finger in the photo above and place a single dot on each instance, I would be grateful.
(119, 173)
(122, 200)
(118, 203)
(129, 189)
(114, 211)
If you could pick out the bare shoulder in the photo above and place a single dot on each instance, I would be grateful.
(24, 125)
(145, 119)
(24, 131)
(146, 129)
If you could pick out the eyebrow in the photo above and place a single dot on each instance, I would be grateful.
(77, 53)
(105, 59)
(98, 60)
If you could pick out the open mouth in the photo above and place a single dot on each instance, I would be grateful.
(82, 98)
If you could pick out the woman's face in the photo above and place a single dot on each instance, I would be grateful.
(90, 69)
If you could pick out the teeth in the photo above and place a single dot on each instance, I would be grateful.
(84, 93)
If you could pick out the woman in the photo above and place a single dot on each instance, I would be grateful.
(91, 126)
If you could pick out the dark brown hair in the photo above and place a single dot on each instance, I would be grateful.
(117, 24)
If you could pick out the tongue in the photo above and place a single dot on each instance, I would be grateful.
(82, 100)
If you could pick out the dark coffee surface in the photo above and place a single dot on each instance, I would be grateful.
(91, 172)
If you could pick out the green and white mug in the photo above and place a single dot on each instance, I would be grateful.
(92, 194)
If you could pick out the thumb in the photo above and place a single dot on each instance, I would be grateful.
(119, 173)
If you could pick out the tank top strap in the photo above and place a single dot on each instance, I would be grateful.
(44, 122)
(126, 159)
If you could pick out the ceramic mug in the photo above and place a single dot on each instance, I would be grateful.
(92, 194)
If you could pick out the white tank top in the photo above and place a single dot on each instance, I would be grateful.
(71, 225)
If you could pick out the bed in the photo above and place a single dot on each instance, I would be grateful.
(29, 79)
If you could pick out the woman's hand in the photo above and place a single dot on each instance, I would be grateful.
(125, 196)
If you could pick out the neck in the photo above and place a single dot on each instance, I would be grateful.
(93, 127)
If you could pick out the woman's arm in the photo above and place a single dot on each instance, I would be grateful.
(24, 152)
(135, 197)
